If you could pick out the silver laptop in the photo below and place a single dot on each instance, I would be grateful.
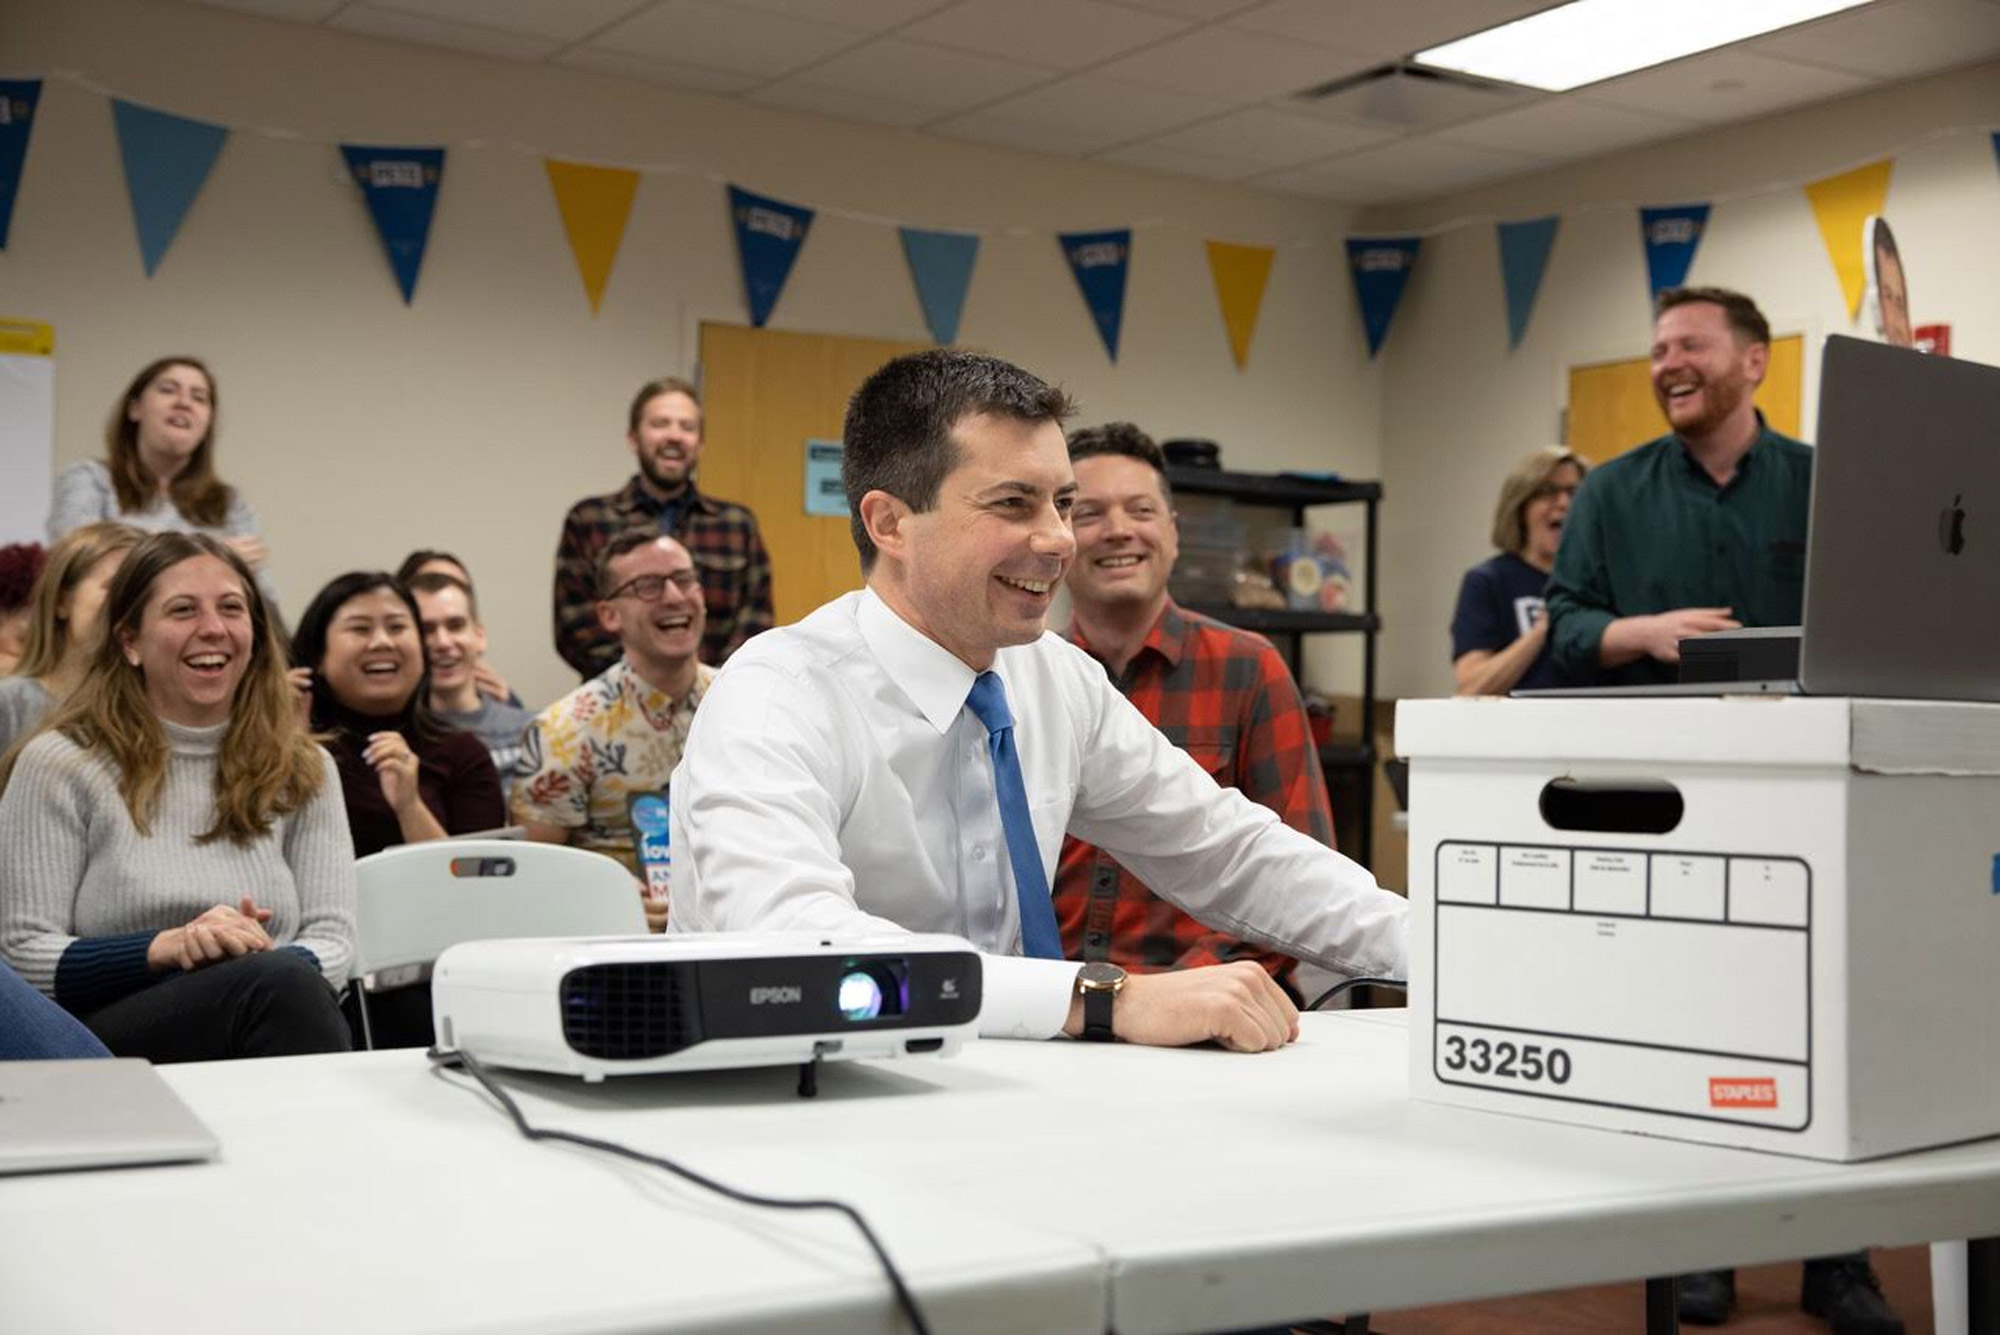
(105, 1113)
(1902, 589)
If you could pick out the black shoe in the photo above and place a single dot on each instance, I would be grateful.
(1846, 1294)
(1707, 1297)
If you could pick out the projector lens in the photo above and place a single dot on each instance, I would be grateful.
(860, 996)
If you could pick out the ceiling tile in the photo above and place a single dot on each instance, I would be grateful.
(1260, 138)
(295, 11)
(1060, 34)
(1157, 157)
(870, 15)
(1390, 28)
(1326, 183)
(1428, 165)
(1241, 66)
(661, 70)
(1202, 11)
(1894, 41)
(378, 22)
(569, 21)
(1401, 100)
(723, 37)
(1720, 86)
(1565, 128)
(844, 105)
(1087, 113)
(985, 129)
(925, 75)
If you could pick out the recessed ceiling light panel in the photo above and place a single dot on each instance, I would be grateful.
(1590, 40)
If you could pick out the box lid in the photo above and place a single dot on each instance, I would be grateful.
(1876, 736)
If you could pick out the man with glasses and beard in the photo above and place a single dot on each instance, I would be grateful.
(664, 428)
(1701, 530)
(596, 763)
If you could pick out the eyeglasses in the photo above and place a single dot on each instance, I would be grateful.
(651, 588)
(1548, 491)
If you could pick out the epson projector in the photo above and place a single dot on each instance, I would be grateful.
(598, 1006)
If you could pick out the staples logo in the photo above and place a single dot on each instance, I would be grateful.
(776, 996)
(1742, 1092)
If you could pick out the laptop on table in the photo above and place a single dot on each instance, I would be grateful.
(1902, 586)
(105, 1113)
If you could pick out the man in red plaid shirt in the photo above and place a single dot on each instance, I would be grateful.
(1221, 694)
(665, 432)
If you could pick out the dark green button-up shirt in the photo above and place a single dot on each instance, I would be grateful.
(1650, 532)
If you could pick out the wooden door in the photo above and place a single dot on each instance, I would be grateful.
(1612, 409)
(765, 393)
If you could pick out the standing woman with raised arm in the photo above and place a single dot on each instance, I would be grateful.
(158, 473)
(174, 863)
(65, 617)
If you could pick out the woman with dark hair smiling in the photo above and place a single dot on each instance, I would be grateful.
(158, 473)
(406, 775)
(174, 865)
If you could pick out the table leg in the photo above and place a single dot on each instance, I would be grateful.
(1982, 1286)
(1663, 1315)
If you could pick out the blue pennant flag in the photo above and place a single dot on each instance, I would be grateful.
(167, 158)
(17, 117)
(1671, 237)
(1099, 260)
(401, 187)
(1381, 267)
(769, 233)
(1524, 258)
(941, 265)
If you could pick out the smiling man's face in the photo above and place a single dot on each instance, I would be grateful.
(1126, 538)
(1703, 370)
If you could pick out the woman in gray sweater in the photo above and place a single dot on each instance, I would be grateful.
(175, 867)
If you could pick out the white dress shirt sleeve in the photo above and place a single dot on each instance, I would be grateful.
(1230, 863)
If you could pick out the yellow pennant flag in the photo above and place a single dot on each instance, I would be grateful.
(595, 203)
(1841, 204)
(1240, 275)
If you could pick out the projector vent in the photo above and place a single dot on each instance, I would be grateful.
(629, 1012)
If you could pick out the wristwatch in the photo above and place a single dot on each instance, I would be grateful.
(1098, 984)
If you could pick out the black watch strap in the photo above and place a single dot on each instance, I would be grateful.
(1097, 1003)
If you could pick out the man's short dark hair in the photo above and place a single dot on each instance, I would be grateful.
(897, 437)
(437, 581)
(1741, 312)
(1125, 440)
(652, 389)
(631, 540)
(422, 557)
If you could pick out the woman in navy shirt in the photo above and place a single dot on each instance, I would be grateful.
(1499, 634)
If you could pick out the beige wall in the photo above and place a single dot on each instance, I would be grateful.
(360, 428)
(1459, 408)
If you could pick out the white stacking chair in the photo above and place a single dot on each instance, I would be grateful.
(413, 901)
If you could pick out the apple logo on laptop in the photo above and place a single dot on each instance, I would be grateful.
(1951, 526)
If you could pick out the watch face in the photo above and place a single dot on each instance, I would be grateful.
(1098, 974)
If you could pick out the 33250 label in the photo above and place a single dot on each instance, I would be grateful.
(1505, 1059)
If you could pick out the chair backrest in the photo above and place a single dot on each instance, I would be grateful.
(413, 901)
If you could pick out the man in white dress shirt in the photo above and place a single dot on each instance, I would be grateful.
(836, 779)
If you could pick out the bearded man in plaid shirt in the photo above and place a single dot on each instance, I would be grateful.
(664, 428)
(1221, 694)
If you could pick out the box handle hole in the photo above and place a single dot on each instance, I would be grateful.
(1612, 806)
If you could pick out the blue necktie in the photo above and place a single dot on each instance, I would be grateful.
(1039, 937)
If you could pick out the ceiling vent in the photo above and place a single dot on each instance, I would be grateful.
(1404, 96)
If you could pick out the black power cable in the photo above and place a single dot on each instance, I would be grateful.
(1400, 984)
(904, 1299)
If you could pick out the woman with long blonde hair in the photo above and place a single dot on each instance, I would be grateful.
(179, 774)
(64, 618)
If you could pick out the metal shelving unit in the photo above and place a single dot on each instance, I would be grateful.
(1296, 495)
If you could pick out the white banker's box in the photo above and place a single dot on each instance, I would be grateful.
(1755, 921)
